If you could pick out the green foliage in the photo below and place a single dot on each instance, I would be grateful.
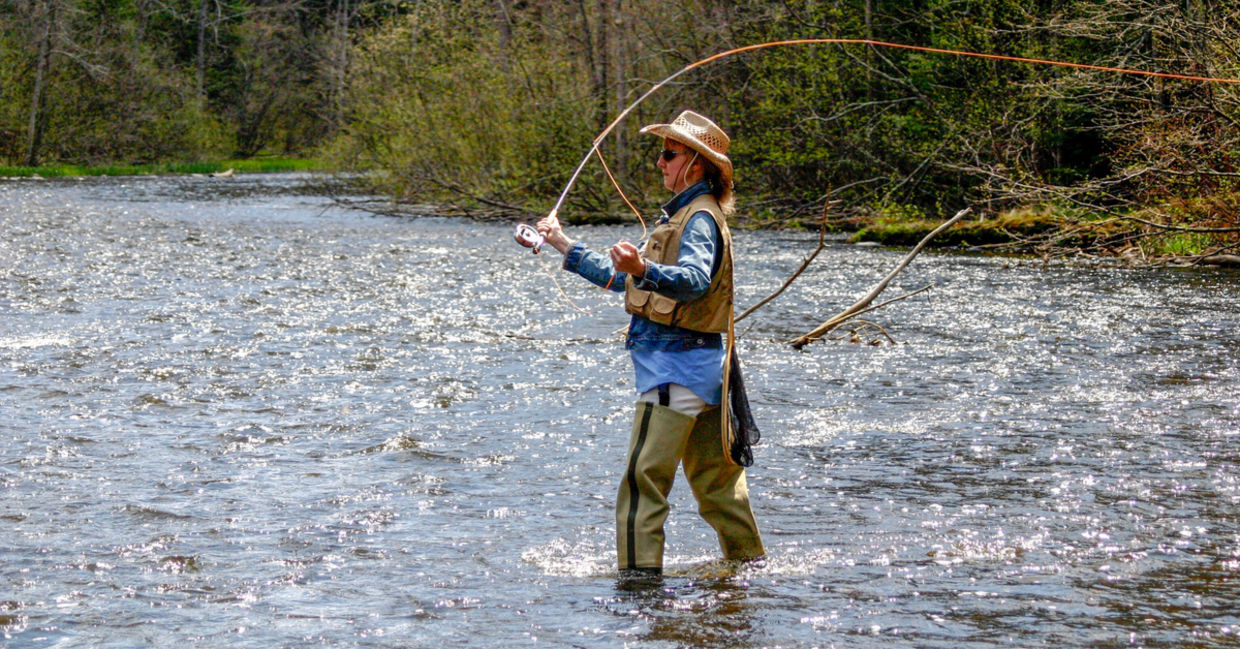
(905, 225)
(898, 212)
(269, 90)
(138, 114)
(490, 104)
(442, 111)
(121, 83)
(1178, 244)
(894, 126)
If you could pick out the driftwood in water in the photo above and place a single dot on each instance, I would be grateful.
(863, 305)
(1232, 261)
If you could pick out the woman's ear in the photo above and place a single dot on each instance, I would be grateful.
(699, 165)
(706, 167)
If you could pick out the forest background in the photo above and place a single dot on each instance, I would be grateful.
(485, 107)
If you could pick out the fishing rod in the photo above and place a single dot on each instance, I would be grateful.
(527, 236)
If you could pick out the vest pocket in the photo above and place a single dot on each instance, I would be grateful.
(663, 306)
(637, 298)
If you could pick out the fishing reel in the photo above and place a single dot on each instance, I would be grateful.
(527, 236)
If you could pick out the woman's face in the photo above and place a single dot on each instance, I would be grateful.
(677, 172)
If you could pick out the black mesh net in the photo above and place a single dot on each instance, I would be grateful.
(745, 431)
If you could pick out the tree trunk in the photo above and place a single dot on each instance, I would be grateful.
(34, 135)
(200, 76)
(601, 83)
(140, 27)
(869, 51)
(591, 54)
(340, 64)
(504, 23)
(619, 51)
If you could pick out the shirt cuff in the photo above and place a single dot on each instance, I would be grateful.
(650, 280)
(572, 257)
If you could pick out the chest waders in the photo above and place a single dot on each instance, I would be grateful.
(662, 439)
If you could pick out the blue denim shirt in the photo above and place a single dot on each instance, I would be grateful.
(662, 353)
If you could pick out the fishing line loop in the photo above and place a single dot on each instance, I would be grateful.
(594, 148)
(523, 237)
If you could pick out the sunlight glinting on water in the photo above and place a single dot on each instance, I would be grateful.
(237, 415)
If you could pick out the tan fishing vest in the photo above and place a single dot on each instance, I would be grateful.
(708, 313)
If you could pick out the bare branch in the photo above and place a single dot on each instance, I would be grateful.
(860, 305)
(822, 242)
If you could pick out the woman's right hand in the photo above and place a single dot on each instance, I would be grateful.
(549, 227)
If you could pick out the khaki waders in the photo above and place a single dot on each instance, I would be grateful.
(661, 439)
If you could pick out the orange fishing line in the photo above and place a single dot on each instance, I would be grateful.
(594, 148)
(855, 41)
(980, 55)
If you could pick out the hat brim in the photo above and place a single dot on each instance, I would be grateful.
(671, 132)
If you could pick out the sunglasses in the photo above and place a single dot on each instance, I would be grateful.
(668, 155)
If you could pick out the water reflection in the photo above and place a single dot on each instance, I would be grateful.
(704, 611)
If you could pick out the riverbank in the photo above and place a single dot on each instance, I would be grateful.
(1040, 231)
(1140, 238)
(250, 165)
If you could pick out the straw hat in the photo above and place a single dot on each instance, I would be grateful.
(701, 135)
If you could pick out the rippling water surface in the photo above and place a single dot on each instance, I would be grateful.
(234, 415)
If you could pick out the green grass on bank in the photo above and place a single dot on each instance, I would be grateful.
(252, 165)
(905, 227)
(1055, 227)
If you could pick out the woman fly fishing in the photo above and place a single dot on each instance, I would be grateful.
(678, 289)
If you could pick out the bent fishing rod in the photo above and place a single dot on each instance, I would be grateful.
(529, 237)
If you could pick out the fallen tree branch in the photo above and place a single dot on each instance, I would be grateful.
(455, 188)
(1174, 228)
(894, 299)
(1224, 256)
(855, 319)
(859, 325)
(862, 304)
(1231, 261)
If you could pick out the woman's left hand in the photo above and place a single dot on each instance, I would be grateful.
(627, 259)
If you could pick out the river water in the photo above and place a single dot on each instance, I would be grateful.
(234, 414)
